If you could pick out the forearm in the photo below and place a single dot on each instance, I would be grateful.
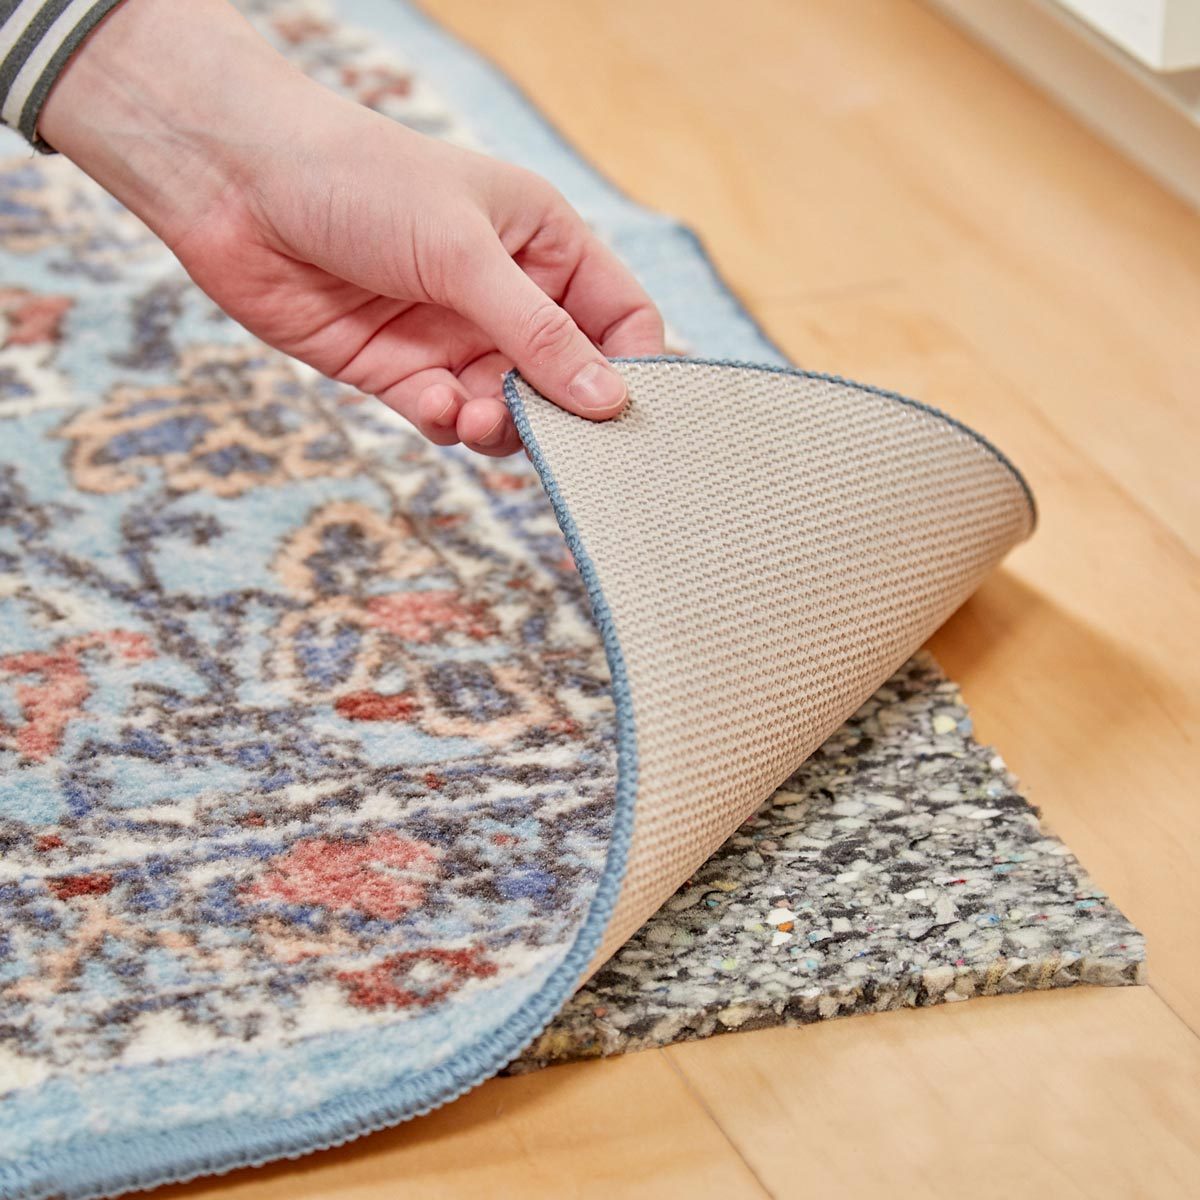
(412, 269)
(170, 105)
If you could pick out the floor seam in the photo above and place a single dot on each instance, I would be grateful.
(682, 1076)
(1174, 1011)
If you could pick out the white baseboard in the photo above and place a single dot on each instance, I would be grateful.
(1163, 34)
(1152, 117)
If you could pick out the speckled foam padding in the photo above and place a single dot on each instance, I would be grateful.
(763, 547)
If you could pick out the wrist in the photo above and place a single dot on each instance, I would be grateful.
(170, 107)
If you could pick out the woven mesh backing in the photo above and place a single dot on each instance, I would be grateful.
(771, 546)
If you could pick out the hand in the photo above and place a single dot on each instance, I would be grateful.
(411, 269)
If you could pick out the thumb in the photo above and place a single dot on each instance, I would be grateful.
(540, 337)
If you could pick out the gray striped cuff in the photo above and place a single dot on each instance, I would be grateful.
(37, 37)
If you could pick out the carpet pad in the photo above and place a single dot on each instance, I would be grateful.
(333, 763)
(899, 867)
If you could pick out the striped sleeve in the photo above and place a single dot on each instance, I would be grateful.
(37, 37)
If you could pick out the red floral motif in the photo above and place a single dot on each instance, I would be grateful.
(423, 616)
(376, 706)
(98, 884)
(375, 84)
(415, 978)
(61, 688)
(384, 876)
(31, 318)
(296, 30)
(504, 481)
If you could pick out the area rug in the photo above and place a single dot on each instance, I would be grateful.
(332, 764)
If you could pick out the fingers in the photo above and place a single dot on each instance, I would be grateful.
(541, 338)
(484, 425)
(610, 306)
(440, 406)
(446, 416)
(484, 376)
(438, 410)
(432, 400)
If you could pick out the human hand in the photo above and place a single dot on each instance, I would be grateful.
(411, 269)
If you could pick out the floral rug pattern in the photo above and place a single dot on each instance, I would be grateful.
(302, 720)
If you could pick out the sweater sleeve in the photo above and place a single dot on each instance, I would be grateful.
(37, 37)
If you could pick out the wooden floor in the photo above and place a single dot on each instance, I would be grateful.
(897, 207)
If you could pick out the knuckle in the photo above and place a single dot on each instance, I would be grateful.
(655, 326)
(443, 257)
(461, 241)
(532, 187)
(547, 331)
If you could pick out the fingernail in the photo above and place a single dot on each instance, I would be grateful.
(494, 436)
(447, 411)
(598, 388)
